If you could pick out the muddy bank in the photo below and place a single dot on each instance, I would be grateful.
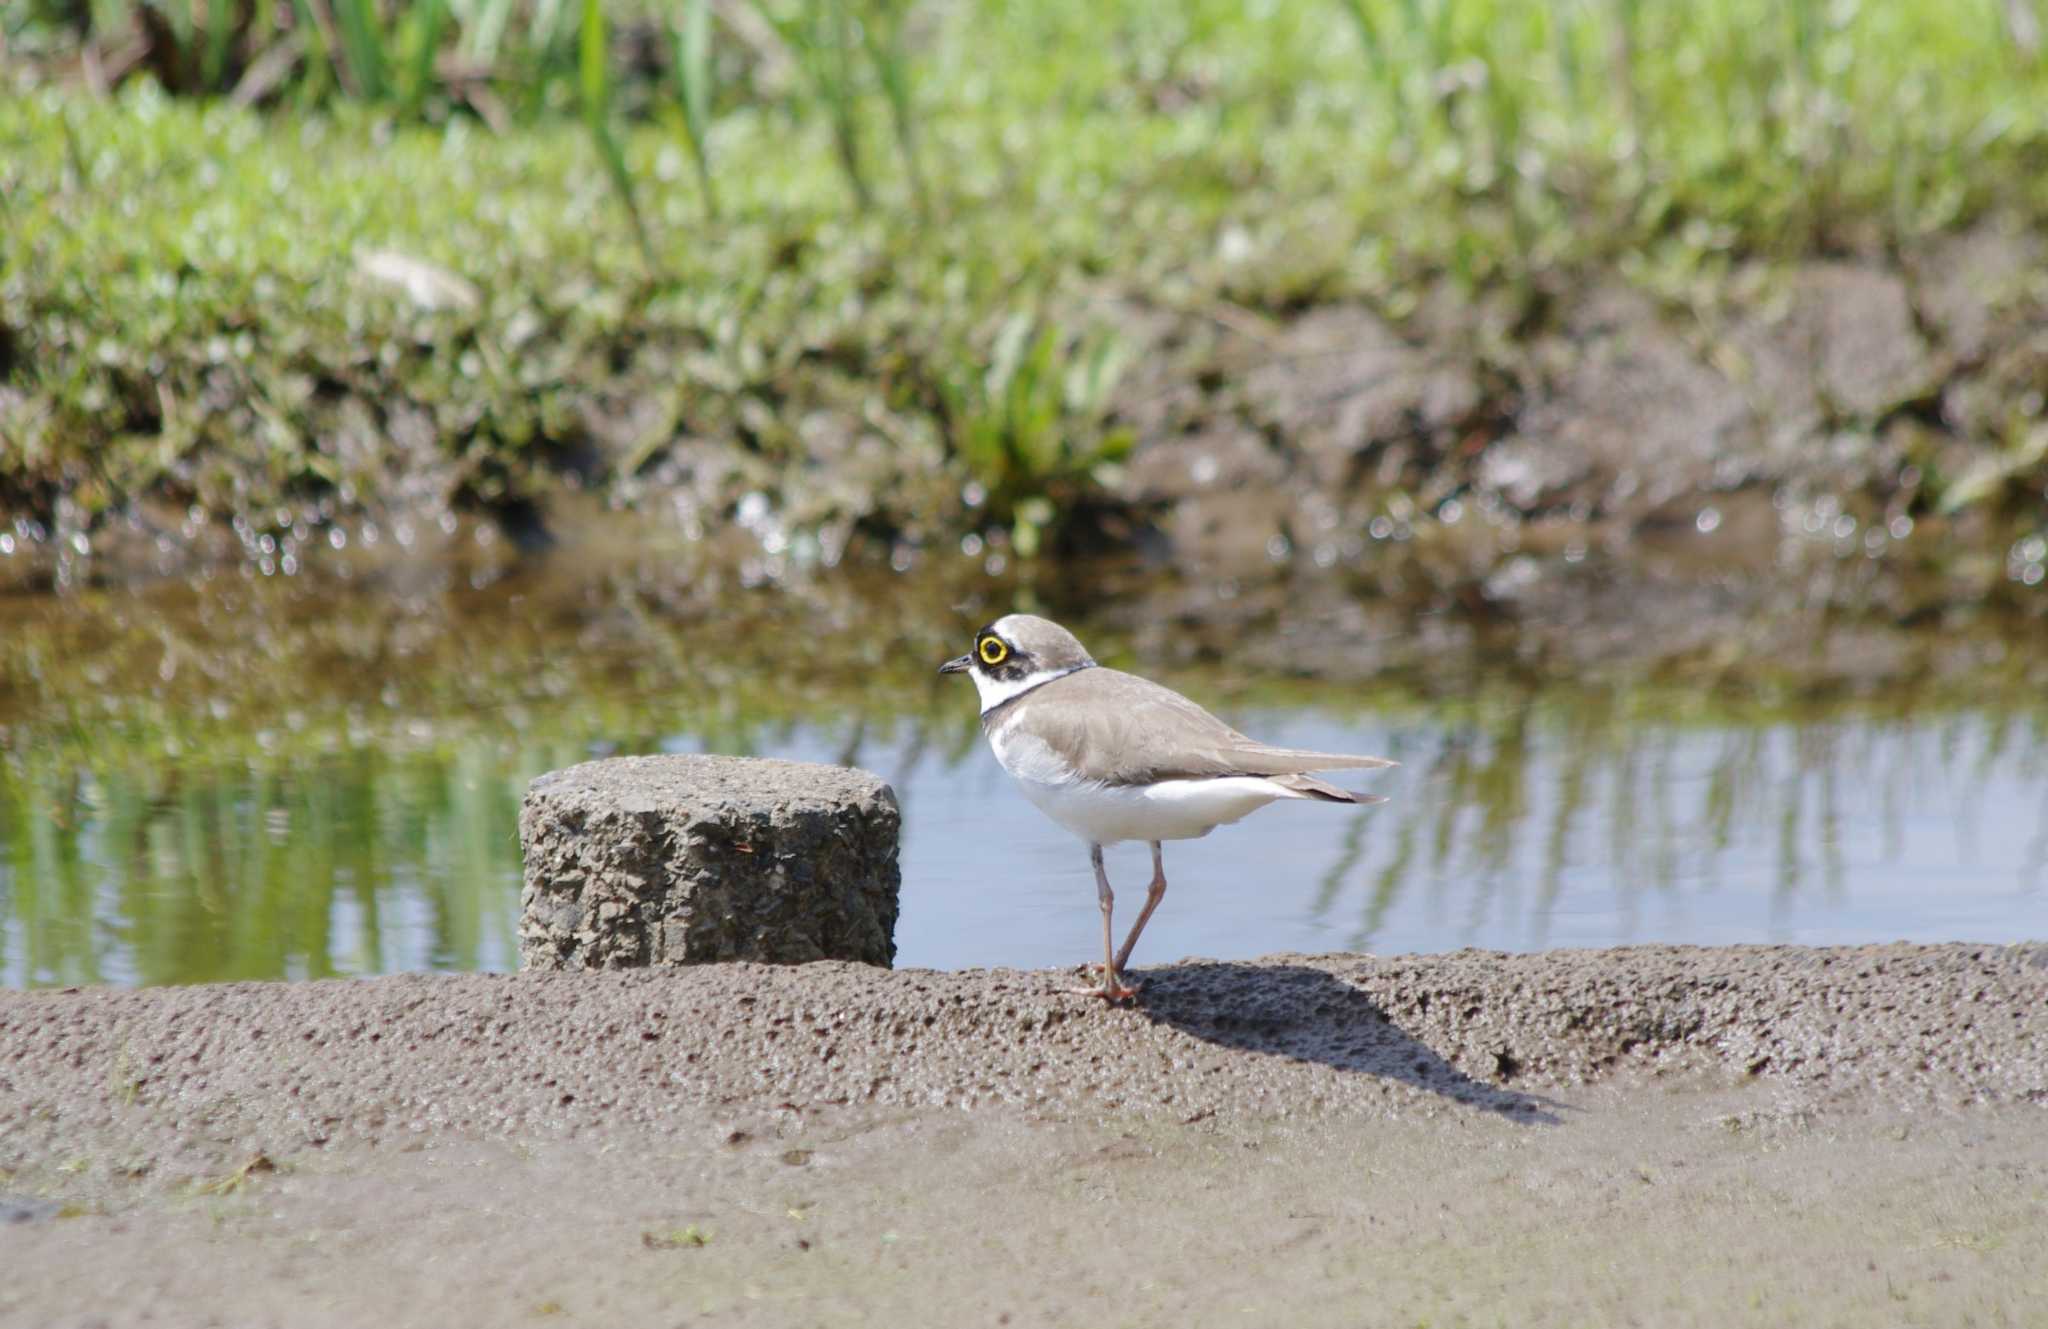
(1851, 1135)
(1861, 431)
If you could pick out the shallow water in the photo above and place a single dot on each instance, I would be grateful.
(329, 784)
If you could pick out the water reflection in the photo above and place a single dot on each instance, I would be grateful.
(1583, 824)
(352, 863)
(1521, 818)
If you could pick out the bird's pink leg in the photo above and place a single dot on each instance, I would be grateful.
(1153, 896)
(1112, 987)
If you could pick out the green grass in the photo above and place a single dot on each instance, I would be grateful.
(181, 316)
(691, 39)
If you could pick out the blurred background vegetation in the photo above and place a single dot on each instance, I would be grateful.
(261, 257)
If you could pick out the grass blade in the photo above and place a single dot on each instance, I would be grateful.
(884, 40)
(319, 48)
(428, 22)
(220, 37)
(483, 30)
(1806, 24)
(820, 36)
(1564, 37)
(595, 72)
(835, 78)
(364, 45)
(692, 43)
(693, 61)
(1369, 37)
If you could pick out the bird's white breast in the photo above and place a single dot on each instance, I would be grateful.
(1104, 814)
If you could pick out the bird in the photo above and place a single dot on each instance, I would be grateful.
(1111, 757)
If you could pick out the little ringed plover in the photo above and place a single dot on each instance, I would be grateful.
(1111, 756)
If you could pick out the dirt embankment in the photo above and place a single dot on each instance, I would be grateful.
(1753, 1135)
(1874, 417)
(1863, 435)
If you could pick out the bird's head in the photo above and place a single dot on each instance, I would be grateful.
(1017, 652)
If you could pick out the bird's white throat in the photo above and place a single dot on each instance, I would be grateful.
(995, 691)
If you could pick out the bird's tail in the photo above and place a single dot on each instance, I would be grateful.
(1307, 786)
(1262, 759)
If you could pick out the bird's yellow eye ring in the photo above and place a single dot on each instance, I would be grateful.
(992, 651)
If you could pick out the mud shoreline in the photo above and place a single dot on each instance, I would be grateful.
(1439, 1136)
(1865, 428)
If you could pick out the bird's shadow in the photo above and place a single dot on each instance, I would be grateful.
(1309, 1015)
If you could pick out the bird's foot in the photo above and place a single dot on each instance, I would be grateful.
(1111, 988)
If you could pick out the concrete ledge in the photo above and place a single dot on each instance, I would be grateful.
(691, 859)
(1753, 1136)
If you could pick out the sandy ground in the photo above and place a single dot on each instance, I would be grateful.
(1658, 1136)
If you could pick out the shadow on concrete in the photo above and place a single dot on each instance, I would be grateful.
(1294, 1011)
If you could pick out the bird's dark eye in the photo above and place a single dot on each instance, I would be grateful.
(993, 651)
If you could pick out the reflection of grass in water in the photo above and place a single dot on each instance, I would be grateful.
(224, 867)
(52, 888)
(1526, 778)
(307, 863)
(239, 871)
(350, 802)
(338, 847)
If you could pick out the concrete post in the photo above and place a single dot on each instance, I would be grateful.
(691, 859)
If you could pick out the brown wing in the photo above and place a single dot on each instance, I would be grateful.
(1127, 730)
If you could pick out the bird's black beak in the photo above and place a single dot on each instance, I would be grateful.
(959, 664)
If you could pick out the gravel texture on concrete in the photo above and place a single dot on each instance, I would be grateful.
(691, 859)
(1670, 1136)
(280, 1066)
